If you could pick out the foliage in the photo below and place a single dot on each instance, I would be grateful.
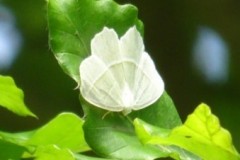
(11, 97)
(147, 134)
(201, 134)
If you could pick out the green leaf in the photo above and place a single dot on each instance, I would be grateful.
(162, 113)
(65, 131)
(201, 134)
(112, 135)
(10, 151)
(83, 157)
(16, 138)
(73, 23)
(53, 152)
(145, 132)
(12, 98)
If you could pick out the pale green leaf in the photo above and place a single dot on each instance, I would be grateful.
(53, 152)
(145, 132)
(10, 151)
(84, 157)
(12, 98)
(201, 134)
(65, 131)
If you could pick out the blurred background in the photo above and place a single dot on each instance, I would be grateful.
(195, 45)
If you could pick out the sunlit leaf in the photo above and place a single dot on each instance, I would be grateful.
(73, 23)
(201, 134)
(53, 152)
(12, 98)
(10, 151)
(65, 131)
(145, 132)
(83, 157)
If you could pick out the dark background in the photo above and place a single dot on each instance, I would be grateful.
(171, 32)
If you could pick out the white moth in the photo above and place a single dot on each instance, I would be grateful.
(119, 75)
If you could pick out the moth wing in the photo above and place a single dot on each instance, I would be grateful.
(105, 45)
(149, 86)
(141, 74)
(131, 48)
(98, 85)
(131, 45)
